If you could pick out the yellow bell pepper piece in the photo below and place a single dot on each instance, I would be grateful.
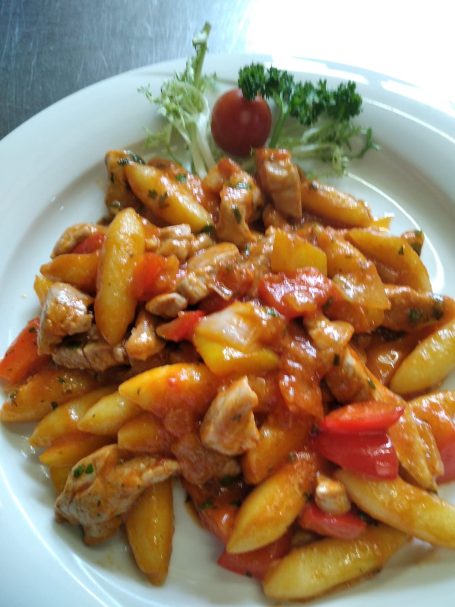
(225, 360)
(291, 252)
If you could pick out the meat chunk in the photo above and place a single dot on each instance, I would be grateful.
(280, 180)
(103, 486)
(64, 312)
(143, 341)
(411, 309)
(201, 272)
(95, 354)
(330, 495)
(240, 201)
(74, 235)
(229, 426)
(200, 464)
(167, 305)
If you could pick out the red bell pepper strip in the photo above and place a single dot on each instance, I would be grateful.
(257, 562)
(146, 275)
(366, 417)
(92, 243)
(21, 358)
(298, 293)
(370, 454)
(219, 521)
(348, 526)
(182, 327)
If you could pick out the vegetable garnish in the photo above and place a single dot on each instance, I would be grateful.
(326, 115)
(185, 106)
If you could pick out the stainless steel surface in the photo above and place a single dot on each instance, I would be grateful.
(51, 48)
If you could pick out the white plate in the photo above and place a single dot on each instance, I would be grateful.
(52, 175)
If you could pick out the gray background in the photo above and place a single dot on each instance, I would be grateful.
(51, 48)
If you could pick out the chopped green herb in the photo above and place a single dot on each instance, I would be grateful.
(32, 330)
(242, 185)
(205, 505)
(401, 250)
(79, 471)
(152, 194)
(371, 384)
(136, 158)
(272, 312)
(54, 405)
(336, 360)
(12, 396)
(162, 201)
(237, 214)
(208, 229)
(89, 469)
(181, 177)
(123, 161)
(115, 205)
(61, 380)
(415, 315)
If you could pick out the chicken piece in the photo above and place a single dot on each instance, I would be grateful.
(175, 240)
(330, 338)
(103, 486)
(64, 312)
(201, 272)
(74, 235)
(240, 201)
(280, 180)
(143, 341)
(411, 309)
(199, 464)
(229, 426)
(330, 495)
(119, 194)
(95, 356)
(167, 305)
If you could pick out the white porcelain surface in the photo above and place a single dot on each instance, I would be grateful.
(52, 175)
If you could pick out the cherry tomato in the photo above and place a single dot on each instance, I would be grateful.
(22, 358)
(371, 416)
(346, 526)
(257, 562)
(371, 454)
(238, 125)
(298, 293)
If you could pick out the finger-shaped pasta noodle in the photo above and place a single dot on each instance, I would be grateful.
(161, 389)
(150, 527)
(58, 475)
(108, 415)
(403, 506)
(41, 286)
(335, 206)
(115, 303)
(275, 443)
(64, 419)
(315, 569)
(44, 391)
(69, 449)
(273, 505)
(393, 252)
(144, 434)
(428, 364)
(167, 197)
(77, 270)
